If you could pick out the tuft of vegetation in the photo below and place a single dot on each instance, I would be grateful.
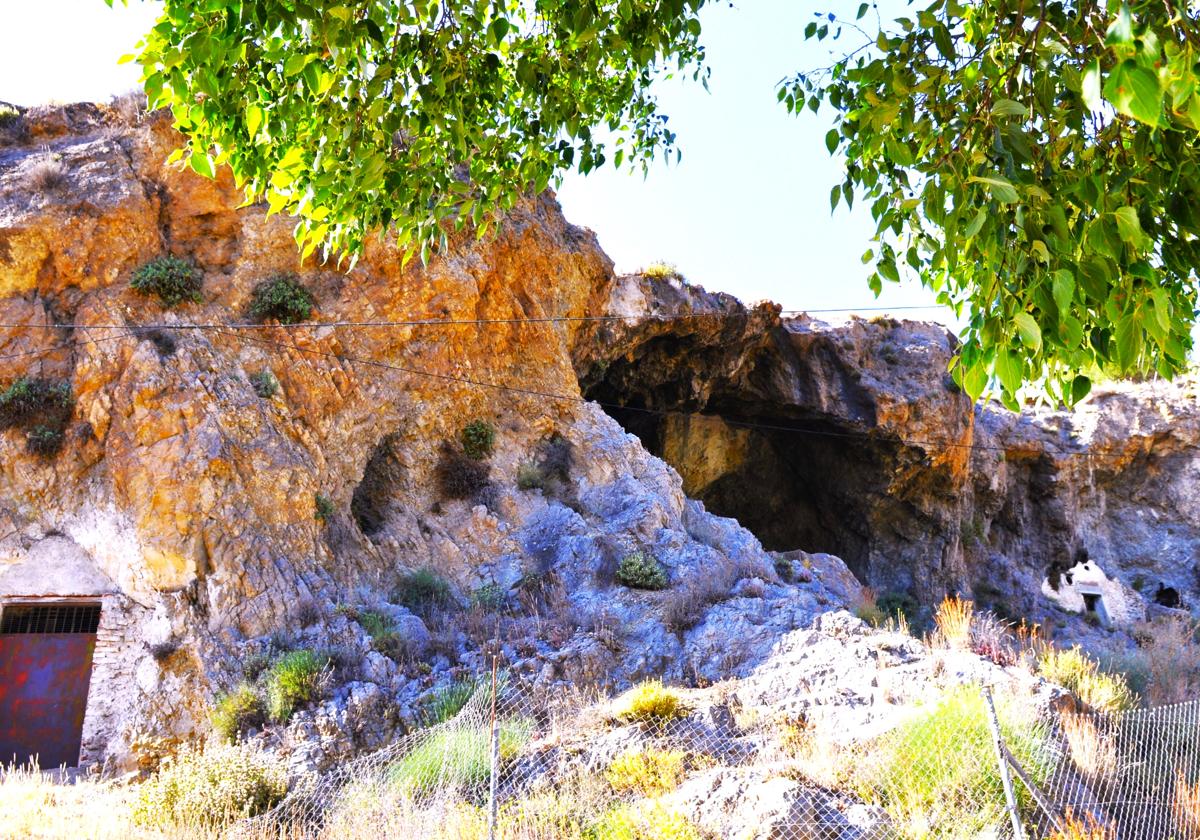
(530, 476)
(322, 508)
(478, 439)
(282, 298)
(293, 681)
(1075, 671)
(31, 402)
(308, 612)
(44, 441)
(643, 821)
(952, 622)
(491, 597)
(460, 477)
(646, 772)
(784, 569)
(456, 757)
(649, 701)
(385, 638)
(906, 773)
(423, 589)
(164, 343)
(13, 129)
(663, 271)
(639, 570)
(237, 712)
(264, 384)
(447, 702)
(160, 652)
(211, 788)
(48, 175)
(171, 279)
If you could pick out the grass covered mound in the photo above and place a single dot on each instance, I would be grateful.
(457, 757)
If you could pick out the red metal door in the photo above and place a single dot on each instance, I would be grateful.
(43, 690)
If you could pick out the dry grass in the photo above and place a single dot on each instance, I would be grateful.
(1092, 751)
(1166, 665)
(1084, 828)
(1075, 671)
(1187, 803)
(952, 623)
(48, 175)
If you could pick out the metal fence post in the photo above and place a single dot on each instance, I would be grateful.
(495, 760)
(1005, 778)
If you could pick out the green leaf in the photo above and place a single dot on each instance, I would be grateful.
(201, 163)
(1063, 290)
(1091, 86)
(1009, 369)
(1028, 330)
(1120, 31)
(975, 380)
(1134, 91)
(1129, 226)
(1009, 108)
(254, 119)
(976, 224)
(1080, 388)
(831, 140)
(1129, 342)
(1000, 188)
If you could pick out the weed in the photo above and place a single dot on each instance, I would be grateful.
(646, 772)
(894, 604)
(171, 279)
(1087, 827)
(649, 701)
(13, 129)
(530, 477)
(238, 712)
(1094, 753)
(322, 508)
(27, 403)
(784, 569)
(662, 271)
(478, 439)
(255, 664)
(1078, 673)
(490, 597)
(953, 623)
(308, 613)
(423, 590)
(643, 821)
(164, 343)
(162, 651)
(264, 384)
(293, 681)
(447, 702)
(281, 298)
(639, 570)
(458, 758)
(1187, 802)
(460, 477)
(211, 788)
(44, 441)
(48, 175)
(385, 638)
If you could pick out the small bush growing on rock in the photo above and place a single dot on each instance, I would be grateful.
(48, 175)
(255, 664)
(1075, 671)
(784, 569)
(478, 439)
(211, 788)
(639, 570)
(460, 477)
(264, 384)
(649, 701)
(308, 612)
(13, 129)
(643, 821)
(30, 402)
(162, 651)
(44, 441)
(530, 477)
(896, 604)
(282, 298)
(238, 712)
(171, 279)
(322, 508)
(953, 622)
(490, 597)
(385, 638)
(662, 271)
(646, 772)
(293, 681)
(164, 343)
(423, 589)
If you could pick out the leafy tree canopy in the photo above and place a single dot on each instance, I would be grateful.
(1034, 162)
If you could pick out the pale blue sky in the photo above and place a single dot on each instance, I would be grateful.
(746, 211)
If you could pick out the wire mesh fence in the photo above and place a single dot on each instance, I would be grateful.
(654, 765)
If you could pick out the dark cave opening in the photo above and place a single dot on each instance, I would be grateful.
(803, 483)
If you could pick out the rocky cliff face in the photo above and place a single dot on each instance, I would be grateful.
(218, 523)
(853, 440)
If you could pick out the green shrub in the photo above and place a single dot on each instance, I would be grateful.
(171, 279)
(264, 384)
(530, 477)
(1075, 671)
(490, 597)
(784, 568)
(211, 788)
(385, 638)
(478, 439)
(28, 403)
(894, 604)
(646, 772)
(292, 681)
(649, 701)
(447, 702)
(282, 298)
(642, 821)
(44, 441)
(422, 589)
(238, 712)
(662, 271)
(906, 772)
(460, 477)
(456, 757)
(322, 507)
(640, 570)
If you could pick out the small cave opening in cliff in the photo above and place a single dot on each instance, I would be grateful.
(372, 497)
(794, 482)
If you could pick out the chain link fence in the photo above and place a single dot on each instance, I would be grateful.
(652, 764)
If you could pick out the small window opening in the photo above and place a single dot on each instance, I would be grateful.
(1091, 602)
(49, 618)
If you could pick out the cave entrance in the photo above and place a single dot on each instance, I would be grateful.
(795, 483)
(1093, 604)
